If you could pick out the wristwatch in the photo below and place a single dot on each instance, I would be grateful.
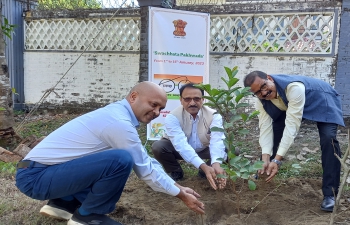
(279, 163)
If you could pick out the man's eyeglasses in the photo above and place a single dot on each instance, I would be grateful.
(195, 99)
(262, 88)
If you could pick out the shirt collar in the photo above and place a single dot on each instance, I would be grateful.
(198, 114)
(133, 118)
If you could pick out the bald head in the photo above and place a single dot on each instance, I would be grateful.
(147, 99)
(147, 87)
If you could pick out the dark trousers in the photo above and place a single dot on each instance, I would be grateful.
(329, 145)
(96, 180)
(165, 153)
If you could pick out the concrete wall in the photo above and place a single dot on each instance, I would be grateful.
(96, 77)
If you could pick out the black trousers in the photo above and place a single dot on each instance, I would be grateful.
(164, 151)
(329, 145)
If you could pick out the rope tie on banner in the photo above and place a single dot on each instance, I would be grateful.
(52, 89)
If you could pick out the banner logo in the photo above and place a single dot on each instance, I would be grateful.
(179, 27)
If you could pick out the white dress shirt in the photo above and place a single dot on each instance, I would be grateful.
(188, 148)
(111, 127)
(295, 93)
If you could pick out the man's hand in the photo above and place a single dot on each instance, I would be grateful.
(218, 170)
(266, 159)
(271, 171)
(189, 197)
(210, 174)
(271, 168)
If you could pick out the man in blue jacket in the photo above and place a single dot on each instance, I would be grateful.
(284, 100)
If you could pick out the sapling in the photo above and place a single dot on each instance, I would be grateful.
(228, 103)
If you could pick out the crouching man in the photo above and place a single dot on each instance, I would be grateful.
(82, 167)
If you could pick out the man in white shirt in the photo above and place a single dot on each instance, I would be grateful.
(283, 101)
(188, 137)
(82, 167)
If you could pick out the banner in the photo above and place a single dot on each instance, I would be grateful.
(178, 54)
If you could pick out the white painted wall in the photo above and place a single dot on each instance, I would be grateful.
(96, 77)
(107, 77)
(317, 67)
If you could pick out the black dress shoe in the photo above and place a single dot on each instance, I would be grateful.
(328, 203)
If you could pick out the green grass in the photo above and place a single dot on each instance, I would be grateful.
(7, 170)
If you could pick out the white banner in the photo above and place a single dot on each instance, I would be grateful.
(178, 54)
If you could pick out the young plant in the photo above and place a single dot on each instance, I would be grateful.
(7, 28)
(228, 103)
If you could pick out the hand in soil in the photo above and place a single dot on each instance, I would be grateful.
(190, 199)
(218, 170)
(271, 169)
(210, 174)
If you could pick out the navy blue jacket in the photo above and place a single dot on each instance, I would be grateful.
(322, 102)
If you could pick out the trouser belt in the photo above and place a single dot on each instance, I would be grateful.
(26, 164)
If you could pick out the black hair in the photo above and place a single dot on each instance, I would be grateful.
(190, 85)
(250, 78)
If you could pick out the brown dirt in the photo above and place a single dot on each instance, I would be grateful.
(281, 202)
(295, 201)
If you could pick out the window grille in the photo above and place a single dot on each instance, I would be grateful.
(297, 33)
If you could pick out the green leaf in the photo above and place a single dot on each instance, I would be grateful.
(228, 125)
(228, 72)
(219, 96)
(251, 185)
(234, 178)
(206, 88)
(2, 109)
(232, 82)
(239, 97)
(211, 105)
(226, 81)
(244, 117)
(243, 104)
(245, 176)
(209, 98)
(242, 170)
(235, 118)
(217, 129)
(244, 162)
(257, 165)
(221, 176)
(253, 114)
(220, 159)
(215, 92)
(296, 166)
(243, 131)
(234, 160)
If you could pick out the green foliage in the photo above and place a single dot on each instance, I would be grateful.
(69, 4)
(7, 28)
(228, 103)
(7, 169)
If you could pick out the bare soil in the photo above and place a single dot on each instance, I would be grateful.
(294, 200)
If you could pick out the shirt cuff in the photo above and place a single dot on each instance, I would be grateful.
(266, 151)
(197, 162)
(173, 191)
(282, 151)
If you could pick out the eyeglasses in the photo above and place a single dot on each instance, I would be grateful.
(195, 99)
(262, 88)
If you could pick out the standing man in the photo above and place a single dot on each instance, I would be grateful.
(284, 100)
(188, 137)
(82, 167)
